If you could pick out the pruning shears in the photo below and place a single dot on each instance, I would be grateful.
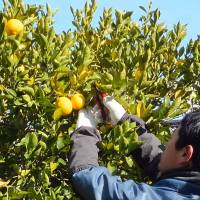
(99, 100)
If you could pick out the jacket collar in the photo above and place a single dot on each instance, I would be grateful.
(182, 174)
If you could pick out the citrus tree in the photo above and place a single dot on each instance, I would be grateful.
(46, 77)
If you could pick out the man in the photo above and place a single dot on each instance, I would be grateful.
(175, 169)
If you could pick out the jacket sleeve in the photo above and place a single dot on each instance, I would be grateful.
(147, 155)
(96, 183)
(84, 149)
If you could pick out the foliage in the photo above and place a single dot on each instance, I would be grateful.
(142, 64)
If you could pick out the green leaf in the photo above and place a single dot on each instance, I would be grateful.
(43, 145)
(53, 166)
(123, 74)
(57, 114)
(133, 145)
(181, 51)
(109, 76)
(46, 179)
(129, 161)
(111, 168)
(31, 141)
(26, 98)
(27, 90)
(11, 92)
(61, 161)
(142, 8)
(60, 143)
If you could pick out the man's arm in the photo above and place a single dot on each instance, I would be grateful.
(96, 183)
(93, 182)
(84, 150)
(147, 155)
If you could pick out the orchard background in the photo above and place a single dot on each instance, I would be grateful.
(142, 64)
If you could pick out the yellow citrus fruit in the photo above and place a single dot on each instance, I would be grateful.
(64, 104)
(78, 101)
(178, 93)
(14, 27)
(21, 68)
(24, 172)
(138, 74)
(83, 74)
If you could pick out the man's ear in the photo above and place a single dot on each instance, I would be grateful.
(187, 153)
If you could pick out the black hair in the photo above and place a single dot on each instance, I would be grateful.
(189, 134)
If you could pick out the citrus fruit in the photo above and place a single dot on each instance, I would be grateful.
(78, 101)
(138, 74)
(64, 104)
(14, 27)
(83, 74)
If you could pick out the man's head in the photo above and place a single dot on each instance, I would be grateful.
(183, 149)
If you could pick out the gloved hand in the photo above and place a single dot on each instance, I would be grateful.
(85, 118)
(116, 111)
(89, 117)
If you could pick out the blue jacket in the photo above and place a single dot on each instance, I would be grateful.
(93, 182)
(96, 183)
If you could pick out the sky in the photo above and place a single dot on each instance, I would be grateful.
(172, 11)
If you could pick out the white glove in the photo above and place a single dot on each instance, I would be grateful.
(97, 114)
(86, 118)
(116, 111)
(91, 117)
